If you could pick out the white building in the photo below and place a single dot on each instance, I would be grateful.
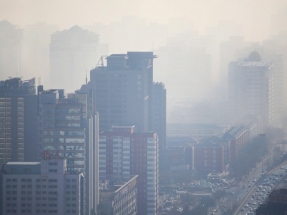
(41, 188)
(251, 88)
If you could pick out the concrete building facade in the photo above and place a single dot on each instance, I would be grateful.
(124, 152)
(41, 188)
(67, 127)
(123, 90)
(18, 120)
(119, 197)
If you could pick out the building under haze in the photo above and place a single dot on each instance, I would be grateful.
(72, 55)
(68, 128)
(118, 196)
(123, 90)
(10, 50)
(35, 52)
(18, 120)
(209, 157)
(251, 88)
(44, 187)
(123, 152)
(125, 94)
(159, 117)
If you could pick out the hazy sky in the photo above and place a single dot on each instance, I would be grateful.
(252, 14)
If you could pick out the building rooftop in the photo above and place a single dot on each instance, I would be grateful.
(235, 132)
(191, 126)
(207, 143)
(23, 163)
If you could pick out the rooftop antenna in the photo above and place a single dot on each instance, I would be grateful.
(86, 77)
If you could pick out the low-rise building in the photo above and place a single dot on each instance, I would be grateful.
(208, 157)
(118, 197)
(237, 136)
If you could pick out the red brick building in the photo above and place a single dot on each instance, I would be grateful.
(237, 136)
(208, 157)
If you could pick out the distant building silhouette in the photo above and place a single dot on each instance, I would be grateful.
(72, 54)
(251, 88)
(35, 52)
(10, 50)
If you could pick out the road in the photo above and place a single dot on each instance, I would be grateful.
(244, 189)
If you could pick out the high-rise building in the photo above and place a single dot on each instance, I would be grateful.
(72, 54)
(251, 88)
(124, 152)
(18, 120)
(159, 117)
(10, 50)
(123, 90)
(44, 187)
(68, 128)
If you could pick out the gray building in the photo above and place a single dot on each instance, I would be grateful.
(123, 90)
(119, 196)
(18, 120)
(68, 128)
(41, 188)
(159, 118)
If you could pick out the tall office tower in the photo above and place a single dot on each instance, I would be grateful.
(251, 88)
(67, 127)
(123, 90)
(18, 120)
(41, 188)
(159, 118)
(10, 50)
(124, 152)
(72, 54)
